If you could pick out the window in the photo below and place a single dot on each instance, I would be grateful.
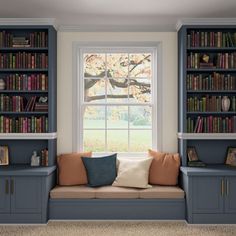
(117, 99)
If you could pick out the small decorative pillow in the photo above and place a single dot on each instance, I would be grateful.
(71, 169)
(164, 169)
(133, 173)
(101, 171)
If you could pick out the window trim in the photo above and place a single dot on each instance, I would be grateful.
(79, 47)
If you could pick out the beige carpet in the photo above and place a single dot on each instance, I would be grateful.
(117, 228)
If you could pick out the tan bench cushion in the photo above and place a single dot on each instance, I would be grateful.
(116, 192)
(82, 191)
(158, 191)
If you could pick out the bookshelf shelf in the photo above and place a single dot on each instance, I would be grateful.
(213, 49)
(23, 113)
(200, 70)
(23, 91)
(207, 136)
(212, 91)
(23, 70)
(26, 136)
(211, 113)
(23, 49)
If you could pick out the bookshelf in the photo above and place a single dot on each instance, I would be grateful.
(206, 120)
(207, 78)
(27, 120)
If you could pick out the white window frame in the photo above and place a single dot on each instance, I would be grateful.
(77, 97)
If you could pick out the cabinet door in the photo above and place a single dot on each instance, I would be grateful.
(4, 195)
(208, 194)
(230, 195)
(26, 194)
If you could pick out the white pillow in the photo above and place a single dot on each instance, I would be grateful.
(133, 173)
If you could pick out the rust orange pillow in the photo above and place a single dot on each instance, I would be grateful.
(71, 170)
(164, 169)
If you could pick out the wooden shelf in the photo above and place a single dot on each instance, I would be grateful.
(26, 136)
(207, 136)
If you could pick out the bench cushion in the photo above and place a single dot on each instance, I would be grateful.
(85, 192)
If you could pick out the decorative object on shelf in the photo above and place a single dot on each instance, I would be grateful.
(231, 156)
(4, 155)
(2, 84)
(225, 103)
(192, 154)
(35, 160)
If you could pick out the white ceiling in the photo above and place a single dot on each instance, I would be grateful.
(101, 13)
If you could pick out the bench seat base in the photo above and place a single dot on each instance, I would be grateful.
(120, 209)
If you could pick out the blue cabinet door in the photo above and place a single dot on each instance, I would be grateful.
(26, 194)
(4, 195)
(208, 194)
(230, 195)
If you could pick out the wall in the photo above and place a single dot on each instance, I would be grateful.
(169, 83)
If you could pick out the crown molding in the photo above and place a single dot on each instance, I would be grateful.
(205, 21)
(29, 21)
(117, 28)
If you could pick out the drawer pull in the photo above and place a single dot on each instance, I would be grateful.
(222, 187)
(12, 186)
(227, 188)
(6, 186)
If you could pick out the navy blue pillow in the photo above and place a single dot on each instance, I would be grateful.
(101, 171)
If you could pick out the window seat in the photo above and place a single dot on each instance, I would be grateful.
(108, 202)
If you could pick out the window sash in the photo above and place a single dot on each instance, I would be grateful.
(153, 78)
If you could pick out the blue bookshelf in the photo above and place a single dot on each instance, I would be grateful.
(27, 71)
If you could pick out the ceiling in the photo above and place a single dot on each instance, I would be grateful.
(117, 13)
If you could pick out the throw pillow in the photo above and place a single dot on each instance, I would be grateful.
(133, 173)
(101, 171)
(164, 169)
(71, 169)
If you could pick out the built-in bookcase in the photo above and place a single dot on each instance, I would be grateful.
(207, 76)
(28, 92)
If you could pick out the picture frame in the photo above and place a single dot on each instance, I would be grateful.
(192, 154)
(231, 156)
(4, 156)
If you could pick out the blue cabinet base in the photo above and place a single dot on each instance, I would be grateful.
(121, 209)
(213, 219)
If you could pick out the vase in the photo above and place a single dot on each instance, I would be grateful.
(225, 103)
(2, 84)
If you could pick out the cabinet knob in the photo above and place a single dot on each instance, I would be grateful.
(6, 186)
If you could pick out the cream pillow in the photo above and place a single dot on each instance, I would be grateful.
(133, 173)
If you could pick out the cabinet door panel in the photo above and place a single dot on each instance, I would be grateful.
(26, 196)
(4, 195)
(230, 195)
(207, 195)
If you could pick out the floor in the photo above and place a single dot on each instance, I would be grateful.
(116, 228)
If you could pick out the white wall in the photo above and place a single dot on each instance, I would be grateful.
(169, 83)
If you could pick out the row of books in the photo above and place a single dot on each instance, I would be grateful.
(211, 39)
(208, 103)
(23, 124)
(211, 124)
(20, 104)
(32, 39)
(213, 81)
(217, 60)
(44, 157)
(25, 82)
(23, 60)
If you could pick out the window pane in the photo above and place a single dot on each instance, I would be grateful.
(140, 140)
(140, 90)
(94, 90)
(117, 117)
(94, 65)
(94, 117)
(94, 140)
(117, 90)
(140, 117)
(117, 140)
(140, 65)
(117, 65)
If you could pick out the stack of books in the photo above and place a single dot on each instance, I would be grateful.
(20, 42)
(196, 164)
(41, 106)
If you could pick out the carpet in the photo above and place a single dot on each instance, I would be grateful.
(117, 228)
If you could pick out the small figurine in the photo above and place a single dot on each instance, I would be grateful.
(35, 160)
